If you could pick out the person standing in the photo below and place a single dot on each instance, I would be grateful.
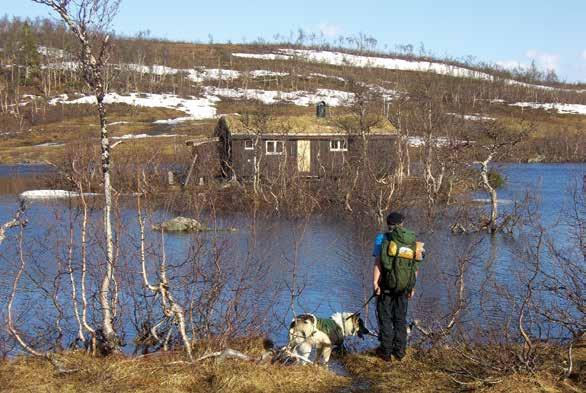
(397, 259)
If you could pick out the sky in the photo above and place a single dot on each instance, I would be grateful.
(505, 32)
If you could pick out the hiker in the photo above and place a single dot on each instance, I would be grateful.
(397, 258)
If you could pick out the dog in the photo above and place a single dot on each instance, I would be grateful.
(308, 331)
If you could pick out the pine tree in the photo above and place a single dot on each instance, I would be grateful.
(28, 55)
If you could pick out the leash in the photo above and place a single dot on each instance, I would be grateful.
(363, 306)
(360, 309)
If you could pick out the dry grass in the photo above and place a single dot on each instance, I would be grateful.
(420, 371)
(410, 375)
(165, 373)
(430, 371)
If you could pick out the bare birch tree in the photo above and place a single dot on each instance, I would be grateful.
(89, 21)
(500, 142)
(172, 310)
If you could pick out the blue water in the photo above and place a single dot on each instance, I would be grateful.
(23, 170)
(277, 267)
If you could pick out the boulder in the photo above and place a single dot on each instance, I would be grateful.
(180, 224)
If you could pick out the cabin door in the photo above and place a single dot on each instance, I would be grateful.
(304, 156)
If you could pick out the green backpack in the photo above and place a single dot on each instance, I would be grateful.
(398, 262)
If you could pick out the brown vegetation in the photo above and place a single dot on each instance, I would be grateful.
(420, 371)
(445, 370)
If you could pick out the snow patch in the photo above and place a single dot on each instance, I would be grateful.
(558, 107)
(301, 98)
(52, 194)
(115, 123)
(145, 69)
(64, 65)
(265, 73)
(142, 136)
(418, 141)
(199, 74)
(49, 144)
(264, 56)
(475, 117)
(204, 74)
(204, 107)
(195, 108)
(317, 75)
(60, 99)
(51, 52)
(340, 58)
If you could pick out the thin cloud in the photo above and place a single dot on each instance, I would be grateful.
(329, 30)
(583, 55)
(511, 64)
(544, 60)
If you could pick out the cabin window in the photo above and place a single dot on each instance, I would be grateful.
(248, 144)
(338, 145)
(274, 148)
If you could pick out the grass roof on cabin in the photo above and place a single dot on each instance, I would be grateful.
(308, 125)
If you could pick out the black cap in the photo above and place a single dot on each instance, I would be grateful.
(395, 218)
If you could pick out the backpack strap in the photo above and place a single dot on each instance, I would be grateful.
(394, 265)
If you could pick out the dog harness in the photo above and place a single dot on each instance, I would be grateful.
(331, 328)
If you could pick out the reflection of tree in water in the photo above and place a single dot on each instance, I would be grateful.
(486, 289)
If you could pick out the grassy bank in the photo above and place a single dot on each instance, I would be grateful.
(420, 371)
(445, 371)
(165, 373)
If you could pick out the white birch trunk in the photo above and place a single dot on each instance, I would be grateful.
(492, 226)
(104, 295)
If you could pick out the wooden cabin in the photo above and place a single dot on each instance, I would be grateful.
(306, 146)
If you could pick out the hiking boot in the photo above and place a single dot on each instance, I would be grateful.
(398, 356)
(383, 355)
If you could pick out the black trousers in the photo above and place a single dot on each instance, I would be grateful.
(392, 322)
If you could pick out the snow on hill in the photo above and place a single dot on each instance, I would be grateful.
(559, 108)
(340, 59)
(300, 98)
(204, 107)
(195, 108)
(197, 74)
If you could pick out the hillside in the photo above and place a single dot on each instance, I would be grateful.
(173, 91)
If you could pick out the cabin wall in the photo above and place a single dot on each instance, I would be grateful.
(379, 153)
(323, 160)
(242, 160)
(272, 165)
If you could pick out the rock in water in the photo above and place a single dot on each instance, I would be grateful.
(180, 224)
(536, 159)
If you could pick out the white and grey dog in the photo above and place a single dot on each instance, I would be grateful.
(308, 331)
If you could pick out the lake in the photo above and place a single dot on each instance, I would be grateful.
(274, 267)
